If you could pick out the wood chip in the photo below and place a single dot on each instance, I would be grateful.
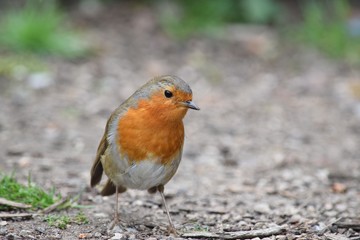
(237, 235)
(13, 204)
(338, 187)
(82, 236)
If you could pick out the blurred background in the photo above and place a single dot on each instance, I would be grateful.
(277, 81)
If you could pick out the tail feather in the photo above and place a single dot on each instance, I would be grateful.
(110, 188)
(97, 168)
(96, 173)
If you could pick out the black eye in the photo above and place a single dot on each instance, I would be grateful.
(168, 94)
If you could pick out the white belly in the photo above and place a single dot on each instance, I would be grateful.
(143, 175)
(146, 174)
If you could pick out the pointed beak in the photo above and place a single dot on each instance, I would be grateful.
(192, 105)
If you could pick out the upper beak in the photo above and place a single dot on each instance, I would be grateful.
(192, 105)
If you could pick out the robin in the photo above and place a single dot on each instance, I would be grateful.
(143, 140)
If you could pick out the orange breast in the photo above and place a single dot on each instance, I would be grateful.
(145, 133)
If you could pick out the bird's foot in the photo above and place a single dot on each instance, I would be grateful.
(114, 223)
(172, 230)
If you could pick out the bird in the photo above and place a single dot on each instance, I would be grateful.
(143, 140)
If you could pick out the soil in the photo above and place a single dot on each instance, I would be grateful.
(276, 142)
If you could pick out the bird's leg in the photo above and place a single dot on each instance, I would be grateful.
(116, 217)
(160, 188)
(116, 214)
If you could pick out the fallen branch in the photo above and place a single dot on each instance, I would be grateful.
(4, 201)
(237, 235)
(16, 215)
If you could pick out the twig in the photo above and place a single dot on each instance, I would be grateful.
(200, 235)
(14, 215)
(332, 236)
(323, 230)
(354, 225)
(6, 202)
(237, 235)
(255, 233)
(53, 206)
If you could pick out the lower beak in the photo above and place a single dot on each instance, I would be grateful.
(191, 105)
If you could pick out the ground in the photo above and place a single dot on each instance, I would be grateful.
(276, 142)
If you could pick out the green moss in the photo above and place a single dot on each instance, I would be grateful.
(59, 221)
(31, 194)
(62, 221)
(80, 218)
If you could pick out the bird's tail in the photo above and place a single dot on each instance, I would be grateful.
(110, 188)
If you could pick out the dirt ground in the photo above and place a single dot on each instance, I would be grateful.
(276, 143)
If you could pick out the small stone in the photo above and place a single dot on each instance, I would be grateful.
(117, 229)
(40, 80)
(40, 229)
(24, 233)
(3, 223)
(259, 225)
(117, 236)
(290, 210)
(341, 207)
(192, 216)
(3, 231)
(234, 188)
(281, 237)
(11, 237)
(296, 219)
(130, 229)
(328, 206)
(97, 234)
(138, 203)
(24, 162)
(141, 228)
(331, 213)
(311, 209)
(262, 208)
(319, 227)
(101, 215)
(245, 228)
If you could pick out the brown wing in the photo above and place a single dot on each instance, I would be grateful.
(97, 168)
